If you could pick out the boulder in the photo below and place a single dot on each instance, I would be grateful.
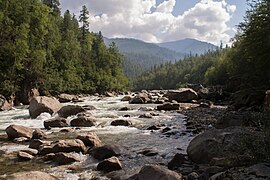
(83, 121)
(70, 145)
(126, 98)
(91, 140)
(39, 134)
(219, 143)
(177, 161)
(37, 143)
(105, 151)
(42, 104)
(23, 156)
(63, 98)
(236, 118)
(16, 131)
(70, 110)
(121, 122)
(65, 158)
(55, 122)
(140, 98)
(31, 175)
(30, 151)
(156, 172)
(182, 95)
(4, 105)
(110, 164)
(168, 106)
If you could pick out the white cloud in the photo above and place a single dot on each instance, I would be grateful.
(144, 19)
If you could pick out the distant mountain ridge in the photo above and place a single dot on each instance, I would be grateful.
(188, 46)
(141, 56)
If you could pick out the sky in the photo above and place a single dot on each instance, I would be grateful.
(163, 20)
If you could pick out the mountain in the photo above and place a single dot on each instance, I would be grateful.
(188, 46)
(141, 56)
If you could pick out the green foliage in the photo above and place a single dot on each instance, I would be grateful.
(259, 148)
(198, 69)
(41, 49)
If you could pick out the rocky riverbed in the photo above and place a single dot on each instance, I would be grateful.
(126, 137)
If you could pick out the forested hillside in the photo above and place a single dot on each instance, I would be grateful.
(41, 49)
(248, 59)
(140, 56)
(189, 46)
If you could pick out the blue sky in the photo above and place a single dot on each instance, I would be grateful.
(163, 20)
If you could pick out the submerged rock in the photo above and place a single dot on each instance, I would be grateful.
(155, 172)
(41, 104)
(17, 131)
(31, 175)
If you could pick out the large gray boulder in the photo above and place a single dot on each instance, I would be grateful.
(31, 175)
(182, 95)
(41, 104)
(156, 172)
(17, 131)
(219, 144)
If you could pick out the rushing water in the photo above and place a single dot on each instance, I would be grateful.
(133, 139)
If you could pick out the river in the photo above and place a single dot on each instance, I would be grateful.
(133, 140)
